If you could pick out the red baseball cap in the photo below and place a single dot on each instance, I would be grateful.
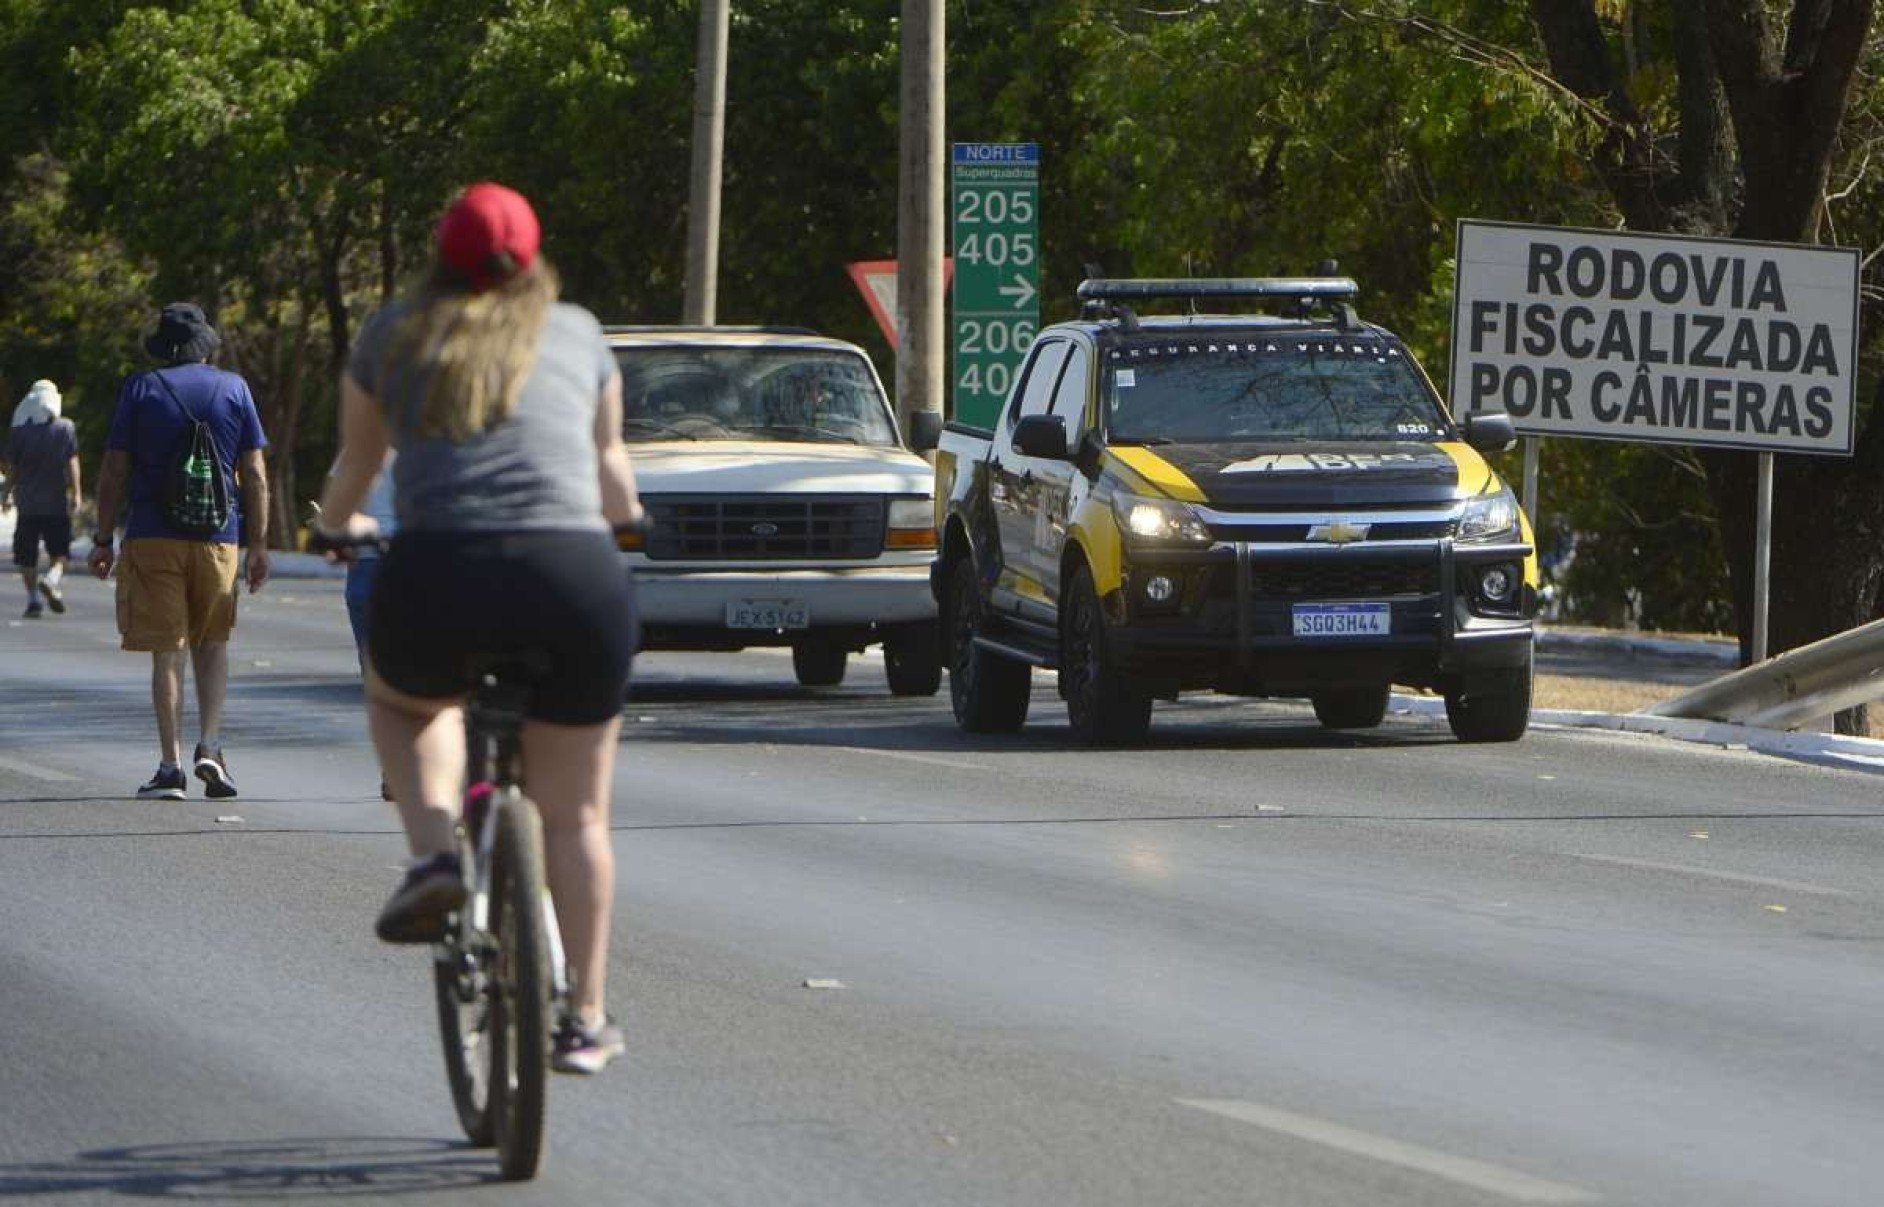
(489, 234)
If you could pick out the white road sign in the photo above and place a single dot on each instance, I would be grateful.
(1623, 336)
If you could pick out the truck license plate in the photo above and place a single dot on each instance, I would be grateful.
(768, 614)
(1343, 620)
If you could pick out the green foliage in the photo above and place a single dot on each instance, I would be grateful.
(72, 307)
(283, 161)
(1629, 537)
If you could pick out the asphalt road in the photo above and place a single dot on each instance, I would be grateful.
(1252, 963)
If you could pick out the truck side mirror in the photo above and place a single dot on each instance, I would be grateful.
(1489, 431)
(1041, 436)
(925, 431)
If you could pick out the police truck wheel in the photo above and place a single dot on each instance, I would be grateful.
(1492, 706)
(1351, 707)
(912, 658)
(819, 663)
(989, 693)
(1104, 707)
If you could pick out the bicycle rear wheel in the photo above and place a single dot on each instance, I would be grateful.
(521, 1004)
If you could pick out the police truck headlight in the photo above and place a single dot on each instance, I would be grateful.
(912, 524)
(1159, 521)
(1492, 517)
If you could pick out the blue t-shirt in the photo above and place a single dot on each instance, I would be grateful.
(151, 426)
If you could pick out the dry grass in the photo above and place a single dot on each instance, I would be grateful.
(1627, 695)
(1600, 695)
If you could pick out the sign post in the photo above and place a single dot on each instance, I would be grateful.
(995, 209)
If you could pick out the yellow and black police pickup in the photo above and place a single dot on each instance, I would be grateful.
(1273, 503)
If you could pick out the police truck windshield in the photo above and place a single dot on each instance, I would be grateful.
(1255, 388)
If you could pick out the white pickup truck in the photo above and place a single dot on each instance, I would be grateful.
(785, 509)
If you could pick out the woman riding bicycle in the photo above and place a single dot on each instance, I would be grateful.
(505, 407)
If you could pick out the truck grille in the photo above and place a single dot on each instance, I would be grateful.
(764, 528)
(1348, 579)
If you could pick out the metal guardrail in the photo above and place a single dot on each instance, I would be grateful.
(1799, 686)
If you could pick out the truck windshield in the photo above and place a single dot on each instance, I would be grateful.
(1237, 388)
(693, 392)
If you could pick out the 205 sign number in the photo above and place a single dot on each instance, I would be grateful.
(995, 206)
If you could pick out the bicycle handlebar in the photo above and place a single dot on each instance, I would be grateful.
(320, 542)
(344, 545)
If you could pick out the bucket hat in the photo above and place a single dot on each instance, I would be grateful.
(182, 334)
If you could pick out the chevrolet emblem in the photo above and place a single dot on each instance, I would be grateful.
(1338, 532)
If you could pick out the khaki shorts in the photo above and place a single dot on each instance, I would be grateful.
(175, 594)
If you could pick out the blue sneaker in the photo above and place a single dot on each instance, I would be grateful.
(213, 769)
(167, 784)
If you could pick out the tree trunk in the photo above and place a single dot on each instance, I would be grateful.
(1787, 106)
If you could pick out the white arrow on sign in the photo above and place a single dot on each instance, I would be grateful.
(1022, 291)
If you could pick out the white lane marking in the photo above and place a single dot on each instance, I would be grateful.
(1682, 869)
(907, 757)
(38, 773)
(1479, 1175)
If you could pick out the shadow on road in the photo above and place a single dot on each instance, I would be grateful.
(323, 1167)
(743, 713)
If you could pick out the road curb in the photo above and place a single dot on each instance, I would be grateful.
(1699, 651)
(1825, 749)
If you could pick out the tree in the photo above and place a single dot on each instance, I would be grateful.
(1745, 147)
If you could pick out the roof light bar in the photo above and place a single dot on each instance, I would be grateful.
(1285, 288)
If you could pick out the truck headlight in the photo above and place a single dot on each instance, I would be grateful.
(1159, 521)
(912, 524)
(1492, 517)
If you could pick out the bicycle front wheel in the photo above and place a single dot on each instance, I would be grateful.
(521, 978)
(461, 975)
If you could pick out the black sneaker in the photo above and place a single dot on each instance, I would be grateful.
(213, 769)
(167, 784)
(34, 611)
(418, 909)
(585, 1050)
(55, 598)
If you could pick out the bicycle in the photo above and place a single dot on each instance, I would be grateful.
(499, 973)
(499, 977)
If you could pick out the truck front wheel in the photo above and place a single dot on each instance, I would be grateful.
(1104, 706)
(912, 657)
(988, 692)
(1491, 706)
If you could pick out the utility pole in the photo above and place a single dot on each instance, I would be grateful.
(921, 353)
(709, 138)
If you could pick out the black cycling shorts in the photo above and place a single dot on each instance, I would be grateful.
(446, 603)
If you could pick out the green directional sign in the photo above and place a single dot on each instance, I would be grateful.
(996, 216)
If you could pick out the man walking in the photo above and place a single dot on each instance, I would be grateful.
(177, 570)
(42, 468)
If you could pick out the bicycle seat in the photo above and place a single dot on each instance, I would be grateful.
(505, 681)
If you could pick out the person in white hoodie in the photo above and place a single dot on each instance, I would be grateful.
(42, 468)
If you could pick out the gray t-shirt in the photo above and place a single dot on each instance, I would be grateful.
(535, 471)
(39, 453)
